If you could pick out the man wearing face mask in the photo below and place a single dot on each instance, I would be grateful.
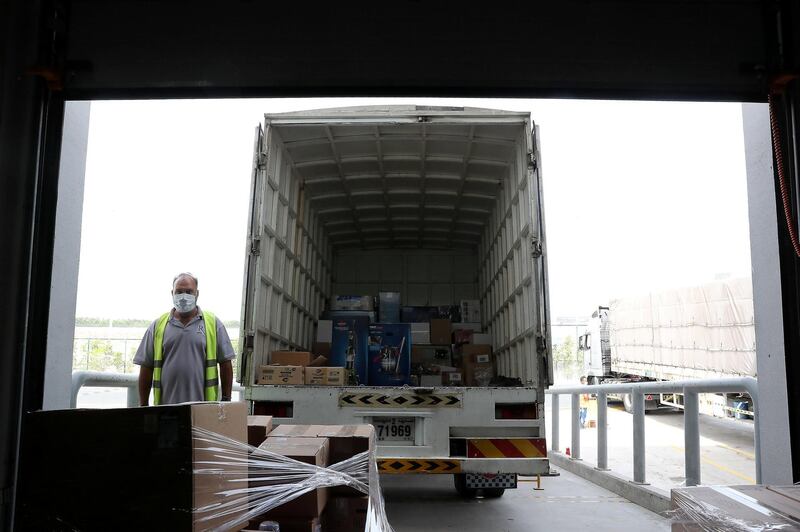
(185, 353)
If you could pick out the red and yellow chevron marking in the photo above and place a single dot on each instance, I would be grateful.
(404, 466)
(507, 448)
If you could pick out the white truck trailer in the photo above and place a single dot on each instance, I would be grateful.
(703, 331)
(439, 204)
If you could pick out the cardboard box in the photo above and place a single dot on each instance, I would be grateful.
(313, 451)
(291, 358)
(421, 327)
(423, 314)
(324, 331)
(76, 466)
(420, 337)
(257, 429)
(345, 514)
(475, 327)
(345, 441)
(452, 378)
(325, 376)
(736, 507)
(389, 307)
(389, 354)
(440, 332)
(344, 302)
(477, 364)
(482, 339)
(430, 381)
(471, 310)
(462, 336)
(280, 375)
(322, 349)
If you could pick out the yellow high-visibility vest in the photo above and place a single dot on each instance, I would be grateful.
(211, 391)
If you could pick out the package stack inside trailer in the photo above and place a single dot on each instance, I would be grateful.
(394, 246)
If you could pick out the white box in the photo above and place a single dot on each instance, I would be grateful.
(420, 337)
(481, 339)
(421, 327)
(470, 310)
(325, 331)
(343, 302)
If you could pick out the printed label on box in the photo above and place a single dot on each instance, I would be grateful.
(482, 359)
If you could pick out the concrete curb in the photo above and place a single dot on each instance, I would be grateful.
(647, 497)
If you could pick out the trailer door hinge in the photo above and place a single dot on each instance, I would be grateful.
(532, 162)
(536, 248)
(262, 159)
(255, 246)
(541, 344)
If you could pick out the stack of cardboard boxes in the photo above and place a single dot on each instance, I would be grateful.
(334, 509)
(423, 346)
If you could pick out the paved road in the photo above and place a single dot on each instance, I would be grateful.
(726, 446)
(565, 503)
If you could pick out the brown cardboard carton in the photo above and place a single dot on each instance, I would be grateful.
(477, 364)
(325, 376)
(280, 375)
(440, 332)
(313, 451)
(291, 358)
(345, 514)
(257, 429)
(321, 349)
(144, 456)
(345, 442)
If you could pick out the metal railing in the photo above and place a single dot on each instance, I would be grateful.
(691, 423)
(100, 379)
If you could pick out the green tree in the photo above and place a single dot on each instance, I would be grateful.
(565, 351)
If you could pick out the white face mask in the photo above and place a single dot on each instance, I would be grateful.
(184, 303)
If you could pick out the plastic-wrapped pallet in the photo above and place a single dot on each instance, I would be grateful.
(735, 508)
(274, 480)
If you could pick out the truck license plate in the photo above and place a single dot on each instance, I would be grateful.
(394, 428)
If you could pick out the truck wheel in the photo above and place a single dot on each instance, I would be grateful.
(493, 493)
(627, 403)
(460, 482)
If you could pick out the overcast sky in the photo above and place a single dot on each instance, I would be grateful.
(638, 196)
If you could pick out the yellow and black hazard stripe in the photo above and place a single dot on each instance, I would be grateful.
(507, 448)
(407, 400)
(404, 466)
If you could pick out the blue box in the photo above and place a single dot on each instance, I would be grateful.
(389, 307)
(389, 354)
(350, 335)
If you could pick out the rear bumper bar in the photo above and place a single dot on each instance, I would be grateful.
(449, 466)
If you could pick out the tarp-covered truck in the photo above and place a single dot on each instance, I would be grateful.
(439, 205)
(694, 332)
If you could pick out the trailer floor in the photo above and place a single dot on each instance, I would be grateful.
(566, 502)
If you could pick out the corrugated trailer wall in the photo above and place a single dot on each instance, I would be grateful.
(293, 267)
(506, 276)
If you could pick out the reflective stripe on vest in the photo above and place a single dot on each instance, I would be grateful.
(211, 377)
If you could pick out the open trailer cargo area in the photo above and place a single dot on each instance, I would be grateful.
(439, 206)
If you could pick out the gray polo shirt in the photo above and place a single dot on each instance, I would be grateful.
(183, 369)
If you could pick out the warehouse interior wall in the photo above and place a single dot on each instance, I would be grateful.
(52, 50)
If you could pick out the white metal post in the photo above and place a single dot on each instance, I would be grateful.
(554, 443)
(691, 437)
(576, 427)
(602, 431)
(637, 398)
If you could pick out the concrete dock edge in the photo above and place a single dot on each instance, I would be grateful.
(648, 497)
